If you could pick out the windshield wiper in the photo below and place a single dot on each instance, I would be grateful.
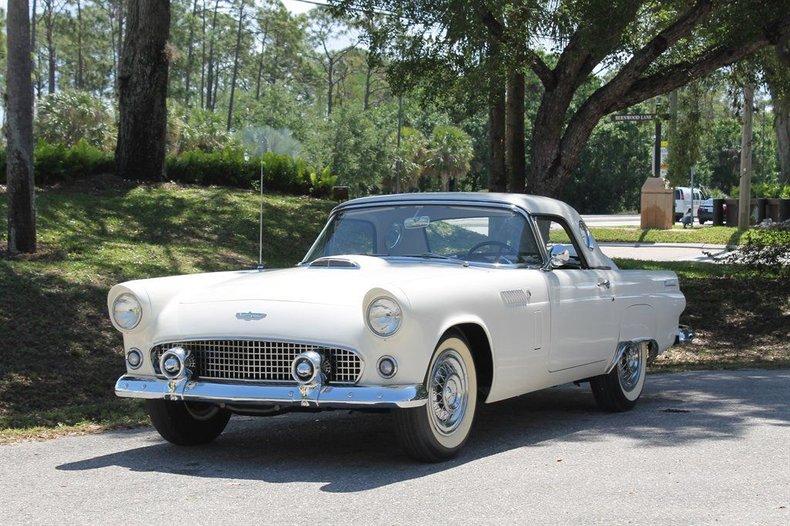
(434, 255)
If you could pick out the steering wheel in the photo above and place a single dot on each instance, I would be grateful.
(498, 255)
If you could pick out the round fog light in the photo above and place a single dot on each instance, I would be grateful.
(173, 363)
(306, 367)
(304, 370)
(387, 366)
(172, 366)
(134, 358)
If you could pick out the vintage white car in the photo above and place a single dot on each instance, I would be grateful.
(425, 304)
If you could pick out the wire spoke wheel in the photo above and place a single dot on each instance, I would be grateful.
(448, 390)
(630, 367)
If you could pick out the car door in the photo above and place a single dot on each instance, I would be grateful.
(583, 318)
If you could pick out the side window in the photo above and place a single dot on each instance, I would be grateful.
(557, 235)
(352, 236)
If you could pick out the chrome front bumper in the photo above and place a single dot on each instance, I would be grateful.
(271, 394)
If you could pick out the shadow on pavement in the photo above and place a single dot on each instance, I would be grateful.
(350, 452)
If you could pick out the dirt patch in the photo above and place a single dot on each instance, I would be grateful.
(742, 322)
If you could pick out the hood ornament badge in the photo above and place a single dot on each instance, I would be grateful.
(250, 316)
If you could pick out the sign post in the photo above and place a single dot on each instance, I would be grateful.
(660, 147)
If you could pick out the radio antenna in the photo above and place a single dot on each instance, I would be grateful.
(260, 224)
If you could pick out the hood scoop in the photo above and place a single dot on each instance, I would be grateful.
(332, 262)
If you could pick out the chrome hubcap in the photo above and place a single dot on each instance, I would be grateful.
(447, 387)
(630, 367)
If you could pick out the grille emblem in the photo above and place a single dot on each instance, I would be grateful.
(250, 316)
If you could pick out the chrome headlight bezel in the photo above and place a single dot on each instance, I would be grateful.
(126, 296)
(394, 312)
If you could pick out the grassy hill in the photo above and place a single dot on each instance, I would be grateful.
(60, 357)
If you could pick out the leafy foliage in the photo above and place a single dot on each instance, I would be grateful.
(69, 117)
(448, 155)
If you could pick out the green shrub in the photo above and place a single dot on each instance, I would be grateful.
(227, 167)
(322, 181)
(765, 190)
(54, 163)
(230, 167)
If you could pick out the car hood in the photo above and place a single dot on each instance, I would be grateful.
(345, 285)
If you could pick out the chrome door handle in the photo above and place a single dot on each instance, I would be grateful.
(604, 283)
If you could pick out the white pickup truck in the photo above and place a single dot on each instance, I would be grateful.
(424, 304)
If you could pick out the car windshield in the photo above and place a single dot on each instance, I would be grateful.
(475, 234)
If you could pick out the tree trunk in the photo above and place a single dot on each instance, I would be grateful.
(79, 81)
(368, 77)
(260, 61)
(235, 65)
(190, 53)
(210, 96)
(497, 177)
(19, 131)
(330, 86)
(203, 57)
(51, 55)
(115, 12)
(516, 161)
(33, 51)
(142, 130)
(546, 138)
(744, 194)
(780, 99)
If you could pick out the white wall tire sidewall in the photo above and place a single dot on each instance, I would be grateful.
(458, 436)
(634, 393)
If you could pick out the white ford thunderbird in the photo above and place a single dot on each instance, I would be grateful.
(425, 304)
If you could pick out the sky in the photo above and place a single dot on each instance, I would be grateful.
(293, 5)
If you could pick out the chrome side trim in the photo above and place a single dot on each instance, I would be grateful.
(403, 396)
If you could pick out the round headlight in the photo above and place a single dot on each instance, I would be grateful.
(126, 311)
(384, 316)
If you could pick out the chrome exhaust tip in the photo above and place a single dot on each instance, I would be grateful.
(684, 335)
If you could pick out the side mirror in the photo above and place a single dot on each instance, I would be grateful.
(558, 257)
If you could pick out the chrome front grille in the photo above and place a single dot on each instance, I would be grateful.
(260, 360)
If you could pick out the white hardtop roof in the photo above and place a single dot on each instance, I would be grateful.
(534, 204)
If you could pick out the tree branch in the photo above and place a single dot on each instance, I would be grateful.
(682, 73)
(498, 31)
(598, 103)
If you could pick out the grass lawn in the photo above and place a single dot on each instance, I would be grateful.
(712, 235)
(60, 356)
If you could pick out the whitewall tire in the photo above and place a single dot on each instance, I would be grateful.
(620, 389)
(439, 429)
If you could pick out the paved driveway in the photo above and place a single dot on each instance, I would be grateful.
(710, 447)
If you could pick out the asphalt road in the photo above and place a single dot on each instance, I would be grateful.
(665, 251)
(710, 447)
(611, 219)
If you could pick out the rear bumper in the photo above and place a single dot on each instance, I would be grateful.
(272, 394)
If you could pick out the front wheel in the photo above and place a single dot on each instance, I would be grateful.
(439, 429)
(620, 389)
(187, 423)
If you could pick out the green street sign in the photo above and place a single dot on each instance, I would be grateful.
(635, 117)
